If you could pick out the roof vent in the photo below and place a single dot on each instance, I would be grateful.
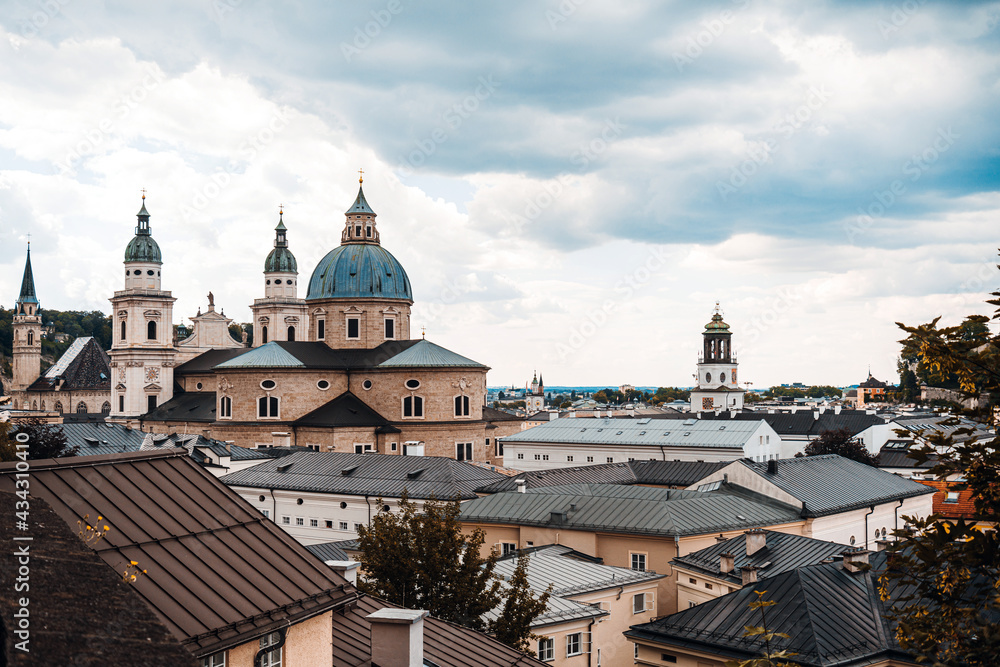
(92, 442)
(283, 467)
(690, 422)
(413, 474)
(347, 471)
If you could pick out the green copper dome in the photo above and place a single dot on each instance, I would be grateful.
(717, 325)
(359, 270)
(142, 247)
(281, 259)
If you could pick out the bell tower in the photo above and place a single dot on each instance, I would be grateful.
(27, 326)
(280, 315)
(142, 353)
(717, 383)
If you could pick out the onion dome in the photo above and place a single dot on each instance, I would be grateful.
(142, 247)
(717, 325)
(281, 259)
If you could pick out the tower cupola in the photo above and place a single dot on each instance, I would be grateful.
(280, 268)
(360, 224)
(143, 260)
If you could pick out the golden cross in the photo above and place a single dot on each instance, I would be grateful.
(361, 174)
(281, 209)
(423, 332)
(144, 193)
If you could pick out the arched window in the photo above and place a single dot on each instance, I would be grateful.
(413, 406)
(43, 405)
(461, 406)
(291, 334)
(81, 408)
(263, 335)
(267, 406)
(34, 405)
(106, 408)
(226, 407)
(151, 330)
(58, 406)
(31, 337)
(123, 330)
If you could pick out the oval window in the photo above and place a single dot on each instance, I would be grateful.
(708, 377)
(323, 384)
(722, 377)
(268, 384)
(367, 384)
(198, 386)
(277, 281)
(412, 384)
(268, 282)
(150, 272)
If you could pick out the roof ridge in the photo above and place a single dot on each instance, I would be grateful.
(100, 459)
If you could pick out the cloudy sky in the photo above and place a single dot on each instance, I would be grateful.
(570, 185)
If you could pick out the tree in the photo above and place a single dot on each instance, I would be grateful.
(423, 561)
(8, 446)
(45, 441)
(771, 657)
(513, 625)
(950, 613)
(841, 441)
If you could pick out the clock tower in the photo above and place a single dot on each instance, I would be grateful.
(717, 386)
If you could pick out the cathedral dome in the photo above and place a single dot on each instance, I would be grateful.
(281, 259)
(359, 270)
(142, 247)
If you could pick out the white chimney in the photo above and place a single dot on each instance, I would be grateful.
(522, 485)
(836, 409)
(748, 574)
(855, 559)
(756, 540)
(348, 568)
(815, 414)
(398, 637)
(727, 563)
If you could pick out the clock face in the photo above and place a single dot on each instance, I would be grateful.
(707, 403)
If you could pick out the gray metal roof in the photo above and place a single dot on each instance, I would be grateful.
(781, 552)
(426, 354)
(570, 576)
(328, 551)
(627, 509)
(832, 617)
(830, 484)
(664, 473)
(367, 475)
(655, 433)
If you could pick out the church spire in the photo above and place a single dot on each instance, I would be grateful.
(360, 224)
(27, 282)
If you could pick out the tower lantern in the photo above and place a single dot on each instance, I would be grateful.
(717, 386)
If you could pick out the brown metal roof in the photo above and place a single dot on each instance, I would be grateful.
(217, 573)
(445, 644)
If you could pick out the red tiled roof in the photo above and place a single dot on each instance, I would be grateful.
(964, 508)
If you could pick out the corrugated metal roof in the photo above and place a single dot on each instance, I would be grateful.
(367, 474)
(570, 576)
(327, 551)
(217, 572)
(268, 355)
(617, 431)
(425, 354)
(832, 617)
(627, 509)
(781, 553)
(830, 484)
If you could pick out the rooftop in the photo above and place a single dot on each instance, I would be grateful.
(661, 473)
(623, 431)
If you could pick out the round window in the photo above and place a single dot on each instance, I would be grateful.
(367, 384)
(150, 272)
(708, 377)
(298, 501)
(323, 385)
(412, 384)
(268, 282)
(277, 281)
(343, 506)
(260, 498)
(268, 384)
(722, 377)
(385, 508)
(198, 386)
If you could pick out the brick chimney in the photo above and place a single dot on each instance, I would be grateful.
(855, 559)
(398, 637)
(756, 540)
(727, 563)
(748, 574)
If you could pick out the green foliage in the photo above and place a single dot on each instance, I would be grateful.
(423, 561)
(45, 441)
(513, 625)
(949, 614)
(669, 394)
(75, 323)
(236, 331)
(785, 392)
(771, 657)
(841, 441)
(909, 388)
(8, 447)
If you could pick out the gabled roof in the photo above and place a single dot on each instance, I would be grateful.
(494, 415)
(637, 510)
(661, 473)
(197, 406)
(367, 475)
(781, 553)
(328, 551)
(206, 361)
(830, 484)
(623, 431)
(570, 576)
(802, 423)
(833, 617)
(74, 599)
(315, 355)
(345, 410)
(425, 354)
(268, 355)
(218, 574)
(84, 365)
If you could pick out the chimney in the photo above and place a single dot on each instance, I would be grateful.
(348, 568)
(855, 559)
(815, 415)
(836, 409)
(727, 563)
(756, 540)
(522, 485)
(397, 637)
(748, 574)
(772, 467)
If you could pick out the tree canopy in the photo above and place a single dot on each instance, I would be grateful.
(841, 441)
